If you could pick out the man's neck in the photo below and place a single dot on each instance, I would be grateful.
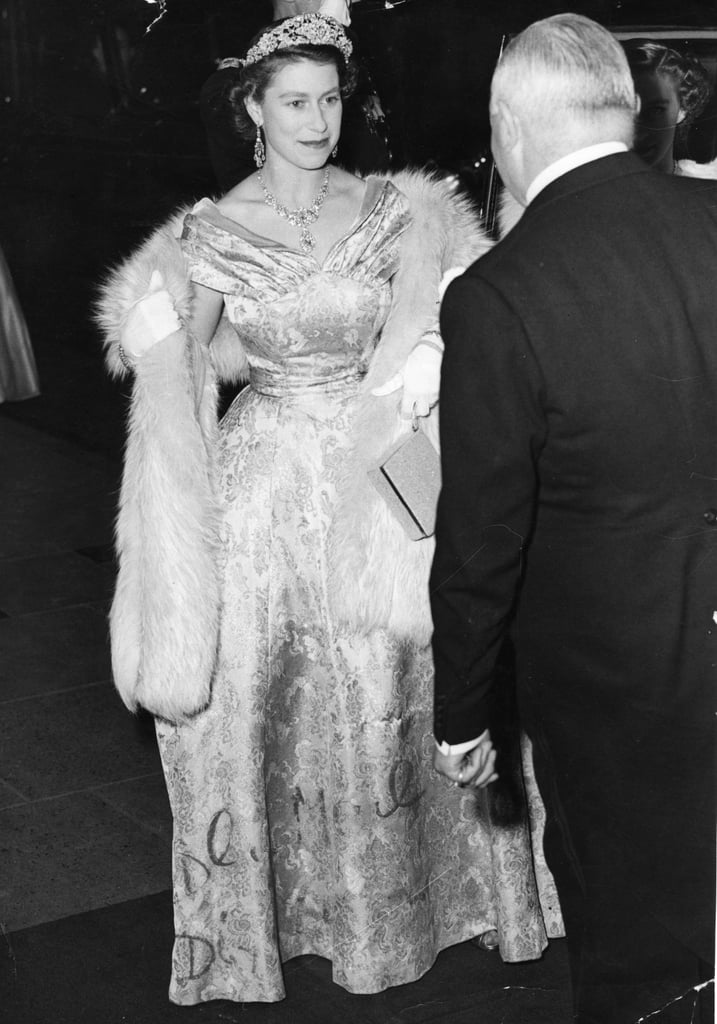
(568, 162)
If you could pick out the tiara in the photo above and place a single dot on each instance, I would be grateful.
(315, 29)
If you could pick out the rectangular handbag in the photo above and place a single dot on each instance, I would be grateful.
(408, 478)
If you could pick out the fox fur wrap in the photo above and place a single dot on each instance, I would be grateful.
(165, 615)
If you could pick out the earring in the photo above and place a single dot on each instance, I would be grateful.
(335, 151)
(259, 151)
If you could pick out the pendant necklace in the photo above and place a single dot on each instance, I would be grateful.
(303, 216)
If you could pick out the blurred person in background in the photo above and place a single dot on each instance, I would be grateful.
(674, 89)
(18, 372)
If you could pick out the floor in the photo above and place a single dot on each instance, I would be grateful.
(85, 901)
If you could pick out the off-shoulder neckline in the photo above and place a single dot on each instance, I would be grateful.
(373, 192)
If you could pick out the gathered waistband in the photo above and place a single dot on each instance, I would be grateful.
(279, 384)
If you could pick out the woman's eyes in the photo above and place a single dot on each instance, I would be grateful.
(330, 101)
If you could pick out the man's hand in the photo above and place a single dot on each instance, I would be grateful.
(476, 768)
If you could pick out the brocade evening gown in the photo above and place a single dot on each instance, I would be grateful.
(307, 815)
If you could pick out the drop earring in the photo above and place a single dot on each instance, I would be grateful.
(335, 151)
(259, 151)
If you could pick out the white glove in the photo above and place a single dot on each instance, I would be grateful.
(420, 379)
(338, 9)
(151, 319)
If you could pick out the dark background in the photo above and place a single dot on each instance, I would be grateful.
(102, 137)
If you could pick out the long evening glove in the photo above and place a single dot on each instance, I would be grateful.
(151, 319)
(420, 378)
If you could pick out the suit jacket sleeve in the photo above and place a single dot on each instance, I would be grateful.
(492, 430)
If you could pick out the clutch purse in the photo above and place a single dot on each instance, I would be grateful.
(408, 478)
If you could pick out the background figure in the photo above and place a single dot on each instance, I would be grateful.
(270, 609)
(674, 89)
(18, 372)
(578, 510)
(364, 145)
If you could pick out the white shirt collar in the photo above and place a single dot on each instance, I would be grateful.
(569, 163)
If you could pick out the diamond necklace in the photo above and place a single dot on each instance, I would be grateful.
(303, 216)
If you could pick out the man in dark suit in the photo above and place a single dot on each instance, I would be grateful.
(579, 516)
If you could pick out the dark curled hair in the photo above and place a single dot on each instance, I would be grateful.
(253, 80)
(685, 70)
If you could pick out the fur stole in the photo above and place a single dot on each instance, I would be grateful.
(509, 212)
(164, 619)
(165, 615)
(379, 577)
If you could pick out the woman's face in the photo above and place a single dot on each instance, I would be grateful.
(660, 113)
(300, 114)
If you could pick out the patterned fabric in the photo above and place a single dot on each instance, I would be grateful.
(308, 819)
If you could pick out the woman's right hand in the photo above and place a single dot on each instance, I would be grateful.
(151, 319)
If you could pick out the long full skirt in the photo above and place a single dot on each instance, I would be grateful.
(307, 816)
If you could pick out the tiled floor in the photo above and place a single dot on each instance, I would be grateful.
(109, 967)
(83, 813)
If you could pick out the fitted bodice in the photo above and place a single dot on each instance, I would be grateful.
(302, 323)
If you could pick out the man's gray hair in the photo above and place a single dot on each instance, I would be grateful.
(567, 63)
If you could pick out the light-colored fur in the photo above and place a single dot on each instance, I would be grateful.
(164, 620)
(509, 212)
(167, 605)
(379, 575)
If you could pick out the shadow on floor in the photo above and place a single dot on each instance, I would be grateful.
(111, 966)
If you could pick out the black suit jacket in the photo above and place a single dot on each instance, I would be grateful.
(579, 442)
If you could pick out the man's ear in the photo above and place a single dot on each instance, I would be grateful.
(681, 116)
(506, 125)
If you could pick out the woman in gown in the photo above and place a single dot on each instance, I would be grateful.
(18, 373)
(269, 610)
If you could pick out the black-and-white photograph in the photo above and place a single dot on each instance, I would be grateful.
(358, 516)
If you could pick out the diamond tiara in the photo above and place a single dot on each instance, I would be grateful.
(315, 29)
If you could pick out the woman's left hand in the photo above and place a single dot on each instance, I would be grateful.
(420, 379)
